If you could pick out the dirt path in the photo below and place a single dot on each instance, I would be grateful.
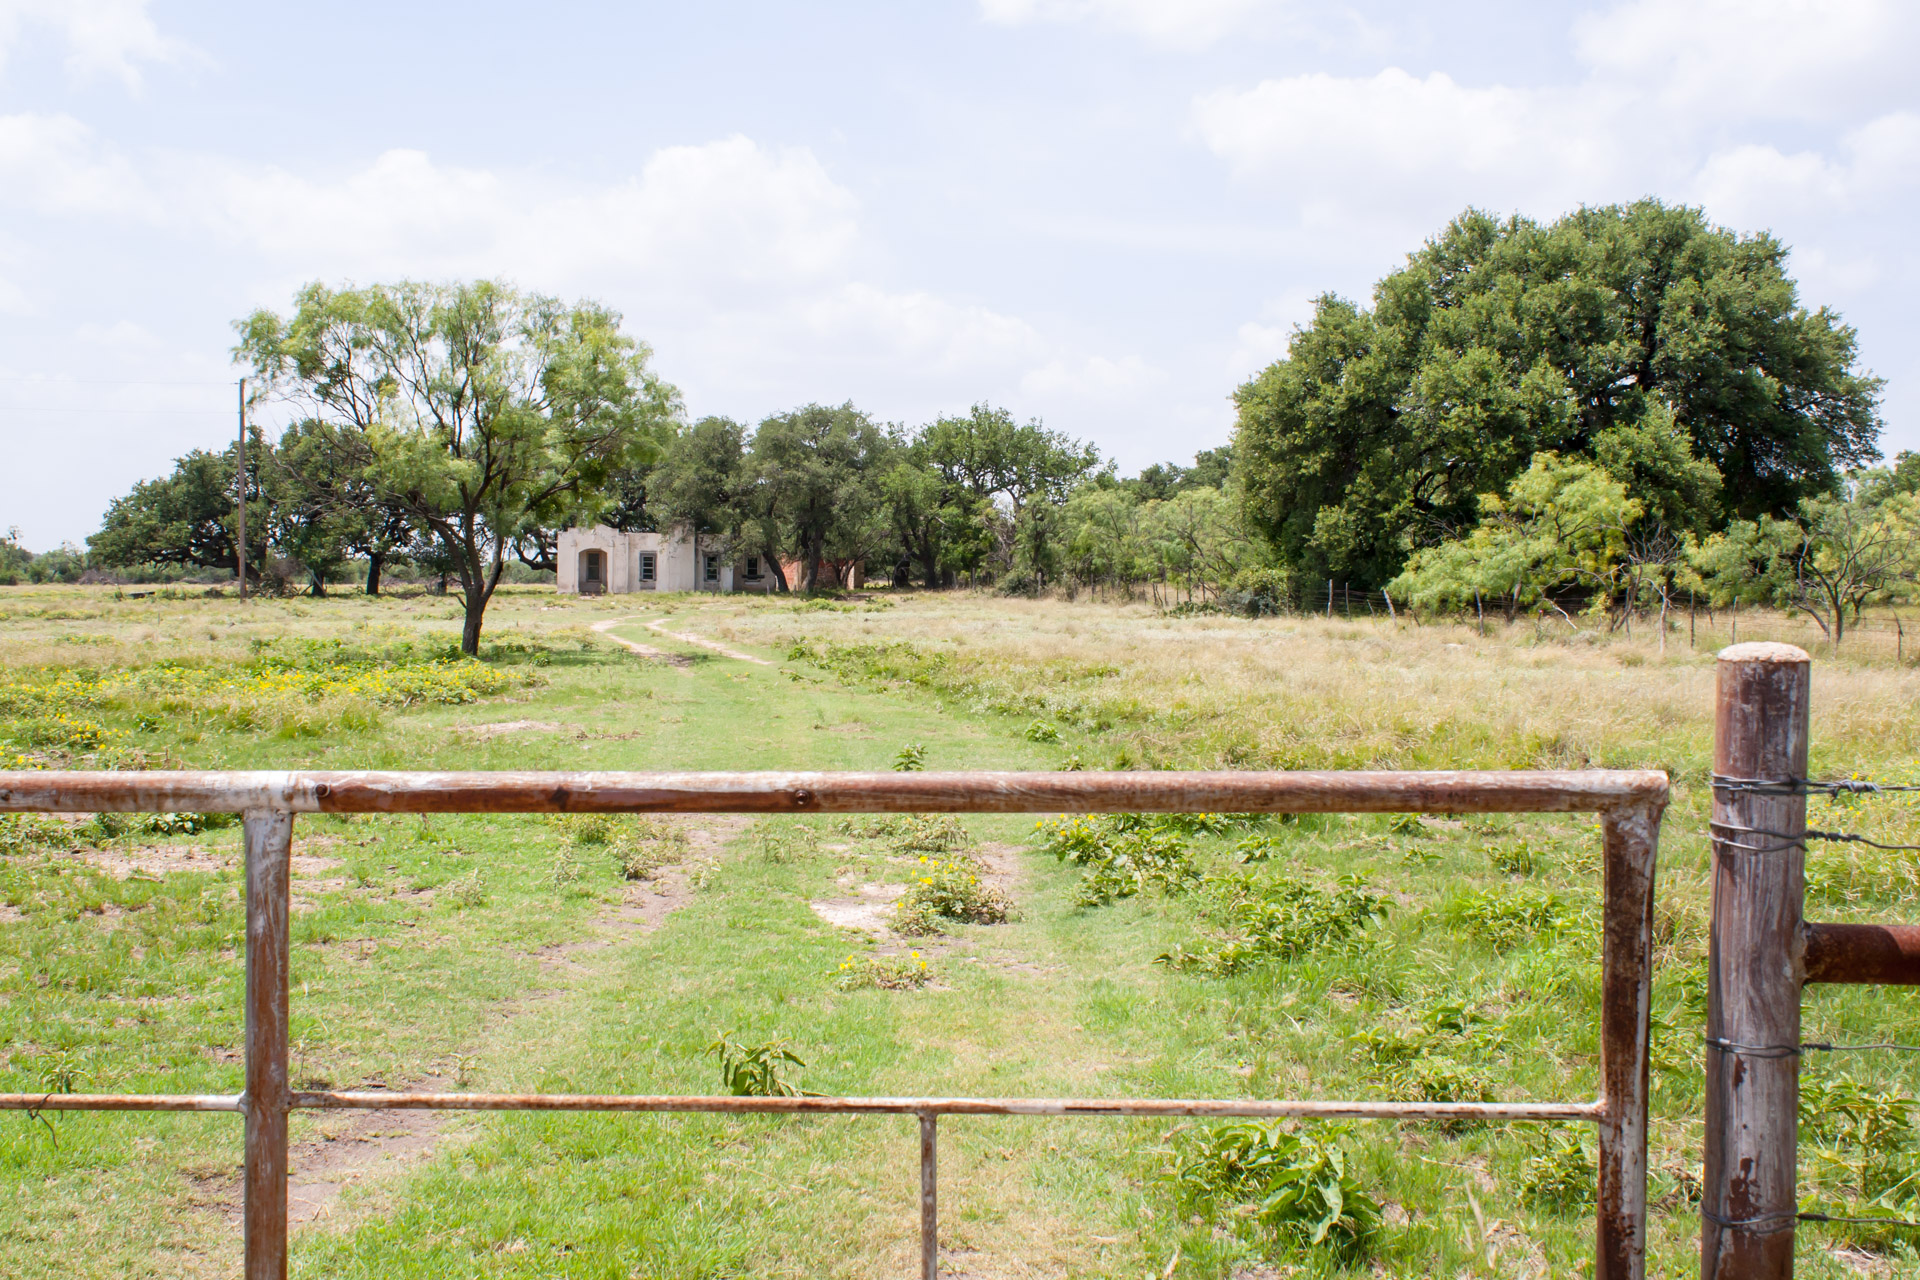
(644, 650)
(717, 647)
(377, 1145)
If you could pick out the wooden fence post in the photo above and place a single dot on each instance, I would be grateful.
(1755, 963)
(269, 843)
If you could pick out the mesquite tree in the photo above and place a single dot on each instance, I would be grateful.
(481, 411)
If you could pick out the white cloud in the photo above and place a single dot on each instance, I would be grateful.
(55, 165)
(1093, 378)
(725, 213)
(1182, 24)
(1754, 184)
(103, 37)
(928, 332)
(1756, 58)
(1347, 144)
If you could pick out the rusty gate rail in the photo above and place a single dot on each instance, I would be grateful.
(1629, 803)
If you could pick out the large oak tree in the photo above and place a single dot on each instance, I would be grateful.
(1641, 337)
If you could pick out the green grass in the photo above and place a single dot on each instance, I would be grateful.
(1481, 980)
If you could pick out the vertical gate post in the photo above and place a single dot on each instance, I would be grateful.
(1632, 839)
(269, 841)
(1755, 964)
(929, 1202)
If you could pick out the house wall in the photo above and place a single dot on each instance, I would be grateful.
(679, 565)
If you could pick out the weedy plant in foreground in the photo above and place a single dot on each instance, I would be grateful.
(1123, 855)
(1278, 919)
(883, 973)
(1279, 1190)
(948, 889)
(758, 1070)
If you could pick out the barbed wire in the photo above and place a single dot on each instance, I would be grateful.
(1787, 1219)
(1805, 786)
(1725, 1045)
(1791, 841)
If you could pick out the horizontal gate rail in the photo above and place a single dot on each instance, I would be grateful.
(1629, 803)
(1572, 791)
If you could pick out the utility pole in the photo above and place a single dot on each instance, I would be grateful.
(240, 526)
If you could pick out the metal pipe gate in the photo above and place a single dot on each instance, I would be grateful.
(1629, 804)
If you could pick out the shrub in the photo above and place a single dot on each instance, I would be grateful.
(911, 758)
(1561, 1178)
(1123, 855)
(1860, 1134)
(645, 845)
(469, 890)
(1280, 919)
(870, 826)
(1286, 1189)
(885, 973)
(1041, 731)
(21, 832)
(1515, 858)
(1506, 917)
(930, 833)
(589, 828)
(185, 824)
(948, 889)
(756, 1071)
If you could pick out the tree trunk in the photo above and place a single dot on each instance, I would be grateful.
(470, 629)
(375, 563)
(316, 584)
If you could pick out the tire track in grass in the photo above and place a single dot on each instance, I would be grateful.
(703, 643)
(375, 1146)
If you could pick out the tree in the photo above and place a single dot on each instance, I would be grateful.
(989, 456)
(327, 507)
(1638, 328)
(15, 559)
(813, 485)
(187, 518)
(488, 413)
(1833, 558)
(1563, 521)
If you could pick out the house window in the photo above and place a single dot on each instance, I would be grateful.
(753, 566)
(646, 566)
(713, 570)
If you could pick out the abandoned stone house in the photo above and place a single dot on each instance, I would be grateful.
(602, 561)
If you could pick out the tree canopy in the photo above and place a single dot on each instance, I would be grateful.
(1673, 353)
(481, 412)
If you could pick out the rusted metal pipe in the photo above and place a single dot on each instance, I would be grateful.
(269, 843)
(122, 1102)
(1881, 954)
(1250, 1108)
(1567, 791)
(1632, 843)
(929, 1196)
(1748, 1203)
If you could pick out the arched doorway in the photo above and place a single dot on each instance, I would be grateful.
(593, 573)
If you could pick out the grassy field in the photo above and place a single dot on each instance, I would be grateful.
(1372, 957)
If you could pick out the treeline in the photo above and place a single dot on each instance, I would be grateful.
(1594, 414)
(458, 429)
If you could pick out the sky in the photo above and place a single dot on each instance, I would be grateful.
(1103, 214)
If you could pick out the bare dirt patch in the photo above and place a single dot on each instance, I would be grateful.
(869, 912)
(357, 1146)
(502, 728)
(159, 860)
